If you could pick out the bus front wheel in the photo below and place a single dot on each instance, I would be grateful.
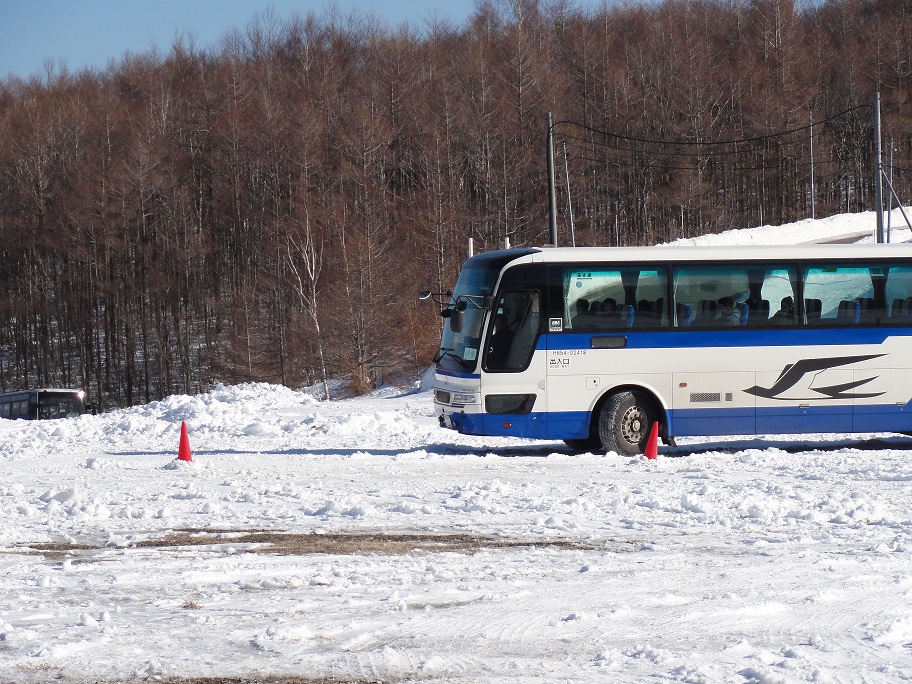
(625, 421)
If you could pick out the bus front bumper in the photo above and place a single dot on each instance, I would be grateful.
(464, 423)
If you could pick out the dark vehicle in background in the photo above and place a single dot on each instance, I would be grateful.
(44, 404)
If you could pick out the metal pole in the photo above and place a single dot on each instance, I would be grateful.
(552, 201)
(878, 171)
(569, 204)
(890, 194)
(812, 164)
(899, 205)
(471, 248)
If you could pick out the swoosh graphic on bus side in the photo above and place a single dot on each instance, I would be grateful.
(839, 391)
(793, 372)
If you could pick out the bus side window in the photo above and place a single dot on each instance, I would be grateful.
(514, 331)
(901, 312)
(606, 297)
(836, 292)
(713, 293)
(526, 335)
(685, 315)
(5, 410)
(812, 311)
(898, 292)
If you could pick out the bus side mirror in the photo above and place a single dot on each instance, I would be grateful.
(440, 297)
(456, 320)
(455, 314)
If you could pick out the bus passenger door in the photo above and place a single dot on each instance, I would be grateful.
(514, 388)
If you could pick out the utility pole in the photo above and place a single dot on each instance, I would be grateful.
(552, 199)
(812, 163)
(878, 170)
(890, 194)
(569, 204)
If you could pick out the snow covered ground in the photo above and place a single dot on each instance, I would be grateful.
(355, 541)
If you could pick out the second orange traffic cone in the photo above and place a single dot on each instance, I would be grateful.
(183, 451)
(652, 444)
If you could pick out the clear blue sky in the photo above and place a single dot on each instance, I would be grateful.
(88, 33)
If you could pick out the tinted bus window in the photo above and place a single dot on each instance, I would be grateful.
(19, 409)
(732, 295)
(598, 299)
(867, 295)
(898, 296)
(51, 406)
(516, 323)
(42, 404)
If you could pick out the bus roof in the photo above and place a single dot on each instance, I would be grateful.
(72, 390)
(689, 253)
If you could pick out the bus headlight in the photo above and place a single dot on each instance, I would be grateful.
(465, 398)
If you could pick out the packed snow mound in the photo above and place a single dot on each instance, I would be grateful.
(858, 227)
(216, 418)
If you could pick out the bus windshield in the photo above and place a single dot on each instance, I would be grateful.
(461, 341)
(43, 404)
(53, 404)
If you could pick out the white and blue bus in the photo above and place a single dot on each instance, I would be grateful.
(593, 345)
(43, 404)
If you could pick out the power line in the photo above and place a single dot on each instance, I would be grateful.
(687, 143)
(775, 151)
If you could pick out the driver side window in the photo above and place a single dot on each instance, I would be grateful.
(514, 331)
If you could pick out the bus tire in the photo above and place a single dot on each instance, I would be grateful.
(625, 421)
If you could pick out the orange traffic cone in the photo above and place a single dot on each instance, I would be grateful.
(652, 444)
(183, 451)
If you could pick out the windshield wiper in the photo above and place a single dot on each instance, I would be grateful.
(444, 351)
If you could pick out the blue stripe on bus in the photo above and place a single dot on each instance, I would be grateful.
(689, 339)
(702, 422)
(729, 421)
(882, 418)
(531, 426)
(809, 419)
(791, 419)
(761, 421)
(457, 374)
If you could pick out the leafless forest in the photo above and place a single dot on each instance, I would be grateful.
(268, 208)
